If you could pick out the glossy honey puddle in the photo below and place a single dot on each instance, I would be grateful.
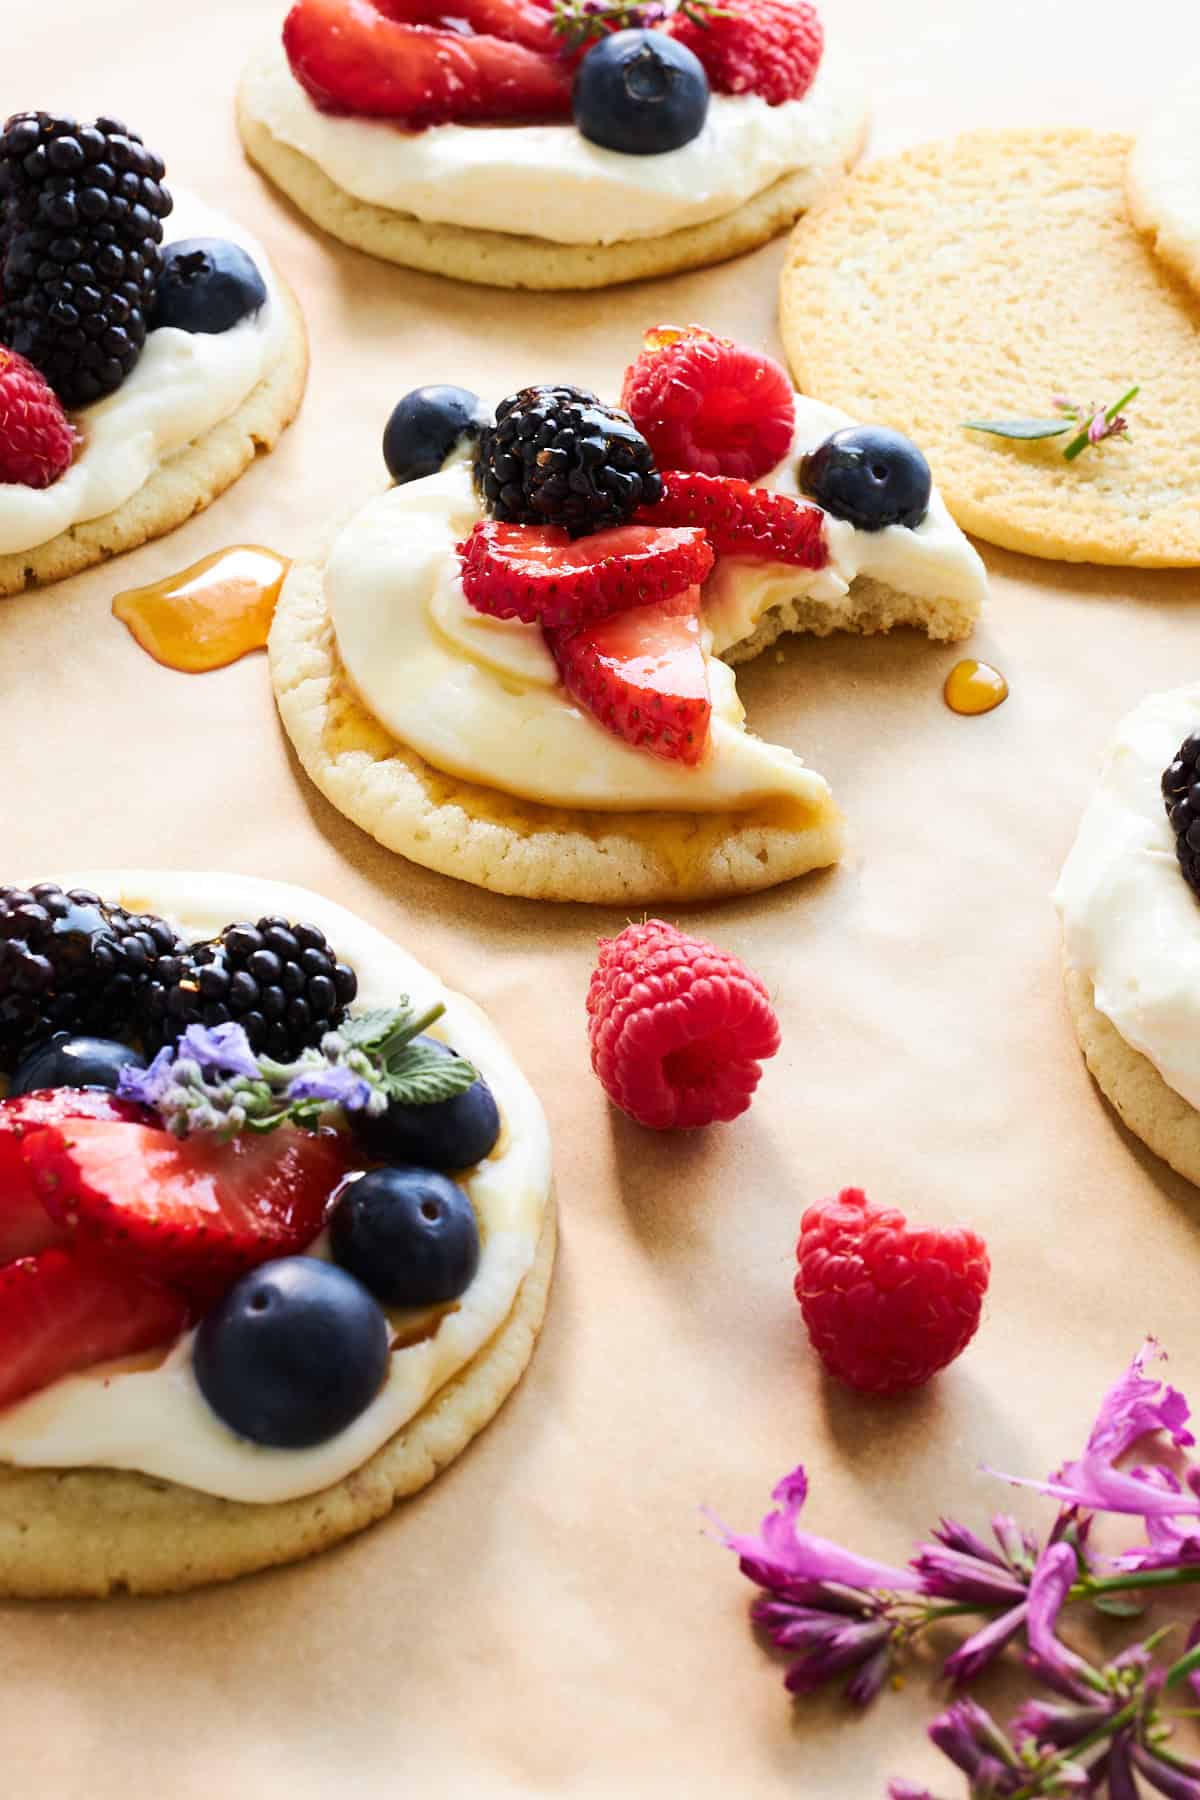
(974, 687)
(209, 615)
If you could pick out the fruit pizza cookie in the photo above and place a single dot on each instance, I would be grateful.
(552, 143)
(1129, 898)
(275, 1229)
(515, 665)
(993, 297)
(148, 350)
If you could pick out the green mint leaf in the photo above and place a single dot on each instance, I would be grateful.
(419, 1077)
(1021, 428)
(370, 1031)
(1119, 1606)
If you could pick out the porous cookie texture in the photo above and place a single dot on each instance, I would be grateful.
(1162, 182)
(499, 259)
(93, 1532)
(1154, 1112)
(186, 483)
(499, 842)
(978, 279)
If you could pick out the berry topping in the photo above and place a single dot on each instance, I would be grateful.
(709, 405)
(194, 1212)
(409, 1235)
(543, 576)
(25, 1225)
(293, 1354)
(70, 962)
(740, 520)
(207, 285)
(1181, 796)
(37, 443)
(406, 61)
(886, 1304)
(677, 1027)
(642, 674)
(640, 92)
(80, 231)
(869, 475)
(280, 982)
(767, 47)
(74, 1062)
(426, 426)
(65, 1310)
(559, 456)
(442, 1134)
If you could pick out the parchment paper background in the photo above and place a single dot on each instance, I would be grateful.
(548, 1619)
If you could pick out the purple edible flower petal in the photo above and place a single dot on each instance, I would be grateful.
(1122, 1784)
(952, 1575)
(779, 1553)
(337, 1085)
(147, 1087)
(973, 1656)
(1175, 1783)
(224, 1048)
(1060, 1727)
(1053, 1579)
(908, 1790)
(974, 1743)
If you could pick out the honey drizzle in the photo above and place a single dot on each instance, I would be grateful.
(210, 614)
(974, 687)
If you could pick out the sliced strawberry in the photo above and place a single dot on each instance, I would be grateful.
(65, 1310)
(741, 520)
(540, 574)
(642, 674)
(25, 1225)
(362, 56)
(705, 403)
(194, 1212)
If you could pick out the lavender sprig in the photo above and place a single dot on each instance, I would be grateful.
(212, 1081)
(579, 22)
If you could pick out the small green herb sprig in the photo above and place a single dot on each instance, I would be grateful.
(1088, 425)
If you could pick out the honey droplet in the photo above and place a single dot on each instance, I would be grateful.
(974, 687)
(209, 615)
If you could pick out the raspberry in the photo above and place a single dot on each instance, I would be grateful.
(677, 1027)
(886, 1305)
(704, 403)
(36, 442)
(740, 520)
(767, 47)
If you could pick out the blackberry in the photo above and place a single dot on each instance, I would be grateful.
(1181, 796)
(70, 962)
(280, 982)
(80, 231)
(559, 456)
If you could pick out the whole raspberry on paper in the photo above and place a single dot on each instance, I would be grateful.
(886, 1304)
(678, 1028)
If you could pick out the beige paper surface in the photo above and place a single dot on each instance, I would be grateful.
(548, 1619)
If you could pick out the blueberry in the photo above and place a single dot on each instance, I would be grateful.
(869, 475)
(640, 92)
(295, 1351)
(408, 1234)
(74, 1062)
(451, 1134)
(425, 427)
(207, 285)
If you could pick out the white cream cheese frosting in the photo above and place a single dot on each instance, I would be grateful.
(480, 698)
(156, 1419)
(548, 181)
(1130, 921)
(182, 385)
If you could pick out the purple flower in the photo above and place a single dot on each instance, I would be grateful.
(1053, 1579)
(1136, 1406)
(974, 1743)
(780, 1555)
(148, 1087)
(984, 1646)
(1058, 1727)
(1175, 1778)
(224, 1049)
(908, 1790)
(334, 1083)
